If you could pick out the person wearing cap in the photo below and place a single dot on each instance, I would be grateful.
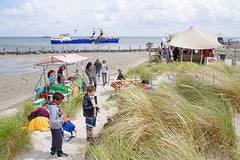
(51, 77)
(145, 85)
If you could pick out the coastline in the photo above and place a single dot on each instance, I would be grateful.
(19, 87)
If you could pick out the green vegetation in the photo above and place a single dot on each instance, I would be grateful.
(190, 120)
(13, 137)
(71, 109)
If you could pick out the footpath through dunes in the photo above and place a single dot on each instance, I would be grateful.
(78, 146)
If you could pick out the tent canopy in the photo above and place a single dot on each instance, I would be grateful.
(194, 39)
(67, 59)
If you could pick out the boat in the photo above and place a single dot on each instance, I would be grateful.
(46, 36)
(66, 39)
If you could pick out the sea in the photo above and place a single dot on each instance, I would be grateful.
(10, 65)
(20, 44)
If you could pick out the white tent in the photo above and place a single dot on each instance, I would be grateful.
(194, 39)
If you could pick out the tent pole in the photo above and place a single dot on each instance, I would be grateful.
(191, 55)
(66, 70)
(201, 57)
(181, 54)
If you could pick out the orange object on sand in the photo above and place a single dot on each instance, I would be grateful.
(38, 123)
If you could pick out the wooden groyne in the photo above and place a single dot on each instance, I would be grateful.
(62, 50)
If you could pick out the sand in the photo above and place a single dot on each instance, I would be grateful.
(16, 88)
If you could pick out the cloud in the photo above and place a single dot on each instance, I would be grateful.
(133, 17)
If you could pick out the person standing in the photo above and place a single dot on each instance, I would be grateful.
(60, 75)
(90, 71)
(51, 77)
(90, 110)
(98, 67)
(56, 122)
(104, 72)
(175, 53)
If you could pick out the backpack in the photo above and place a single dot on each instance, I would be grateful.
(70, 127)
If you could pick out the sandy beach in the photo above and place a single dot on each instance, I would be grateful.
(18, 87)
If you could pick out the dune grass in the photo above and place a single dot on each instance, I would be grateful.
(71, 109)
(13, 137)
(191, 120)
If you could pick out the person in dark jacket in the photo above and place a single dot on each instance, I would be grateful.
(120, 75)
(98, 67)
(60, 75)
(90, 110)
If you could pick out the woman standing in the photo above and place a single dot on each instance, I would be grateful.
(90, 71)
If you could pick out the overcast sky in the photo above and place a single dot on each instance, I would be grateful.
(124, 17)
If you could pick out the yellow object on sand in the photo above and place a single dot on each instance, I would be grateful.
(38, 123)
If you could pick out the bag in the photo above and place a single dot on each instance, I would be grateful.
(70, 127)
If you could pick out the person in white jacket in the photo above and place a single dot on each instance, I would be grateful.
(104, 72)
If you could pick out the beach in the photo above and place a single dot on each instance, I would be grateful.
(20, 86)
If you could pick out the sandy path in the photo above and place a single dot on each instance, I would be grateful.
(78, 146)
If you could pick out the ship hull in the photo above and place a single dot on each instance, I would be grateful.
(112, 40)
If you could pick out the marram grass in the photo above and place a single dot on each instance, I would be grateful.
(187, 121)
(71, 109)
(13, 137)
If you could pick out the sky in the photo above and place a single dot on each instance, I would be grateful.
(36, 18)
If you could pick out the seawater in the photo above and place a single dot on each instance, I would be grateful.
(13, 44)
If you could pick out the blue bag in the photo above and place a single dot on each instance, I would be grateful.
(70, 127)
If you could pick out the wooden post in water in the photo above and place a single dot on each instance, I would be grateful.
(149, 46)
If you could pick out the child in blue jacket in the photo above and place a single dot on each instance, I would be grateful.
(90, 110)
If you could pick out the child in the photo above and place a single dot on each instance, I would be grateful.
(104, 72)
(90, 110)
(56, 122)
(44, 92)
(51, 77)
